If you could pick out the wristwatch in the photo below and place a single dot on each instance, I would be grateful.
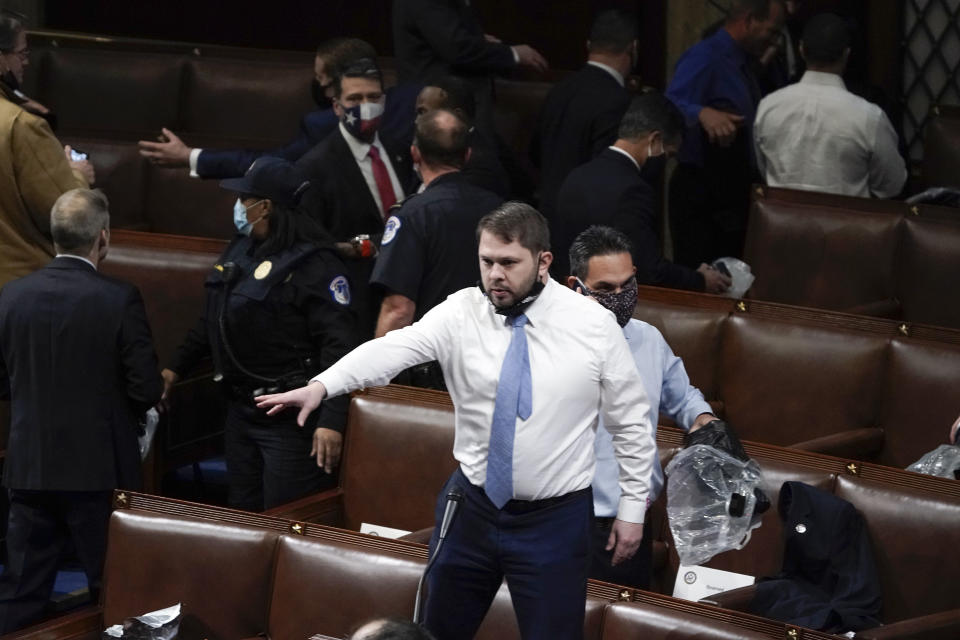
(364, 246)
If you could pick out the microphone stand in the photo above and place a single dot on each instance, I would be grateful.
(453, 502)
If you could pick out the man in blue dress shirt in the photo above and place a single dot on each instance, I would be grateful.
(602, 267)
(716, 89)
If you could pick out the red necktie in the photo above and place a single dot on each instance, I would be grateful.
(382, 177)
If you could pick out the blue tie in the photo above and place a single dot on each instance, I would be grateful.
(514, 399)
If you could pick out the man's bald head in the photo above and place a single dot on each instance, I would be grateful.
(76, 220)
(391, 629)
(441, 139)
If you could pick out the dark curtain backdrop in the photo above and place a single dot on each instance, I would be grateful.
(557, 28)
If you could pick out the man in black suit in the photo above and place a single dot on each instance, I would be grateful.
(77, 362)
(611, 190)
(581, 114)
(356, 177)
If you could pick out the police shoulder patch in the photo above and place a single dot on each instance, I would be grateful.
(340, 289)
(390, 230)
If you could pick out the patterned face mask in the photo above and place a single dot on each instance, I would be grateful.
(621, 303)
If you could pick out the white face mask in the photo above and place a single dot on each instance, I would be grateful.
(240, 221)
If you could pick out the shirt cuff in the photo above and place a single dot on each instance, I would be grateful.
(516, 56)
(194, 156)
(334, 384)
(631, 510)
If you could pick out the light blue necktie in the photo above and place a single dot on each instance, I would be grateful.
(514, 399)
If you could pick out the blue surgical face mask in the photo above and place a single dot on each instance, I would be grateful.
(244, 226)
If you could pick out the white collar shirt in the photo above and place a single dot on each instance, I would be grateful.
(361, 153)
(632, 159)
(613, 72)
(580, 371)
(80, 258)
(817, 136)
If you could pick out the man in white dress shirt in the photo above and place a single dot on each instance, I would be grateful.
(817, 136)
(529, 385)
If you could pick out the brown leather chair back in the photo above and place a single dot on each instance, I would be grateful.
(929, 261)
(221, 573)
(919, 400)
(915, 535)
(784, 383)
(631, 620)
(827, 257)
(941, 148)
(398, 454)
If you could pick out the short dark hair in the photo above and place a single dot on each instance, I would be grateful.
(595, 241)
(613, 31)
(517, 221)
(756, 9)
(458, 95)
(441, 144)
(337, 53)
(396, 629)
(11, 24)
(362, 68)
(652, 111)
(825, 37)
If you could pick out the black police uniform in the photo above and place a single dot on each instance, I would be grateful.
(284, 318)
(429, 248)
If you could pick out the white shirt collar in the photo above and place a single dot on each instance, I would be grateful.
(67, 255)
(632, 159)
(359, 148)
(613, 72)
(823, 78)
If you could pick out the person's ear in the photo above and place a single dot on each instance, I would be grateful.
(546, 259)
(267, 208)
(415, 154)
(572, 282)
(467, 155)
(337, 107)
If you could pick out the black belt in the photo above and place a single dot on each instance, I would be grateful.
(526, 506)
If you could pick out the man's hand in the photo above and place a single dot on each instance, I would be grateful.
(490, 38)
(702, 420)
(624, 539)
(82, 166)
(170, 378)
(721, 127)
(171, 152)
(530, 58)
(714, 281)
(327, 445)
(307, 398)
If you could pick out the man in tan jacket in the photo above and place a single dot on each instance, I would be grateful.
(34, 167)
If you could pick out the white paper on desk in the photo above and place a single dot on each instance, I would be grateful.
(380, 530)
(694, 583)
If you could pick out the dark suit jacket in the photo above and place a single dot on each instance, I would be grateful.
(77, 360)
(338, 196)
(397, 124)
(433, 38)
(580, 118)
(829, 578)
(610, 191)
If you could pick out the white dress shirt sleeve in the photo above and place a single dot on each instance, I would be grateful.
(888, 172)
(375, 363)
(194, 156)
(625, 410)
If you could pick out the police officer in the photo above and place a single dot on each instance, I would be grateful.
(428, 249)
(277, 312)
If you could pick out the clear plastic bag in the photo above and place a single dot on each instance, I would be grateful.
(740, 274)
(943, 462)
(704, 486)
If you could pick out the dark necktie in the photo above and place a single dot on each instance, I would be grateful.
(382, 177)
(514, 399)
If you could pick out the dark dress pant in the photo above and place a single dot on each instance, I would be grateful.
(268, 459)
(541, 547)
(39, 524)
(634, 572)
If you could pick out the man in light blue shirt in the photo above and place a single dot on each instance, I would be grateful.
(602, 267)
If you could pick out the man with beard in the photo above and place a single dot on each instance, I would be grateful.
(601, 266)
(529, 387)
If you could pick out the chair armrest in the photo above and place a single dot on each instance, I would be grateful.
(889, 308)
(944, 625)
(853, 443)
(735, 599)
(85, 624)
(422, 536)
(325, 507)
